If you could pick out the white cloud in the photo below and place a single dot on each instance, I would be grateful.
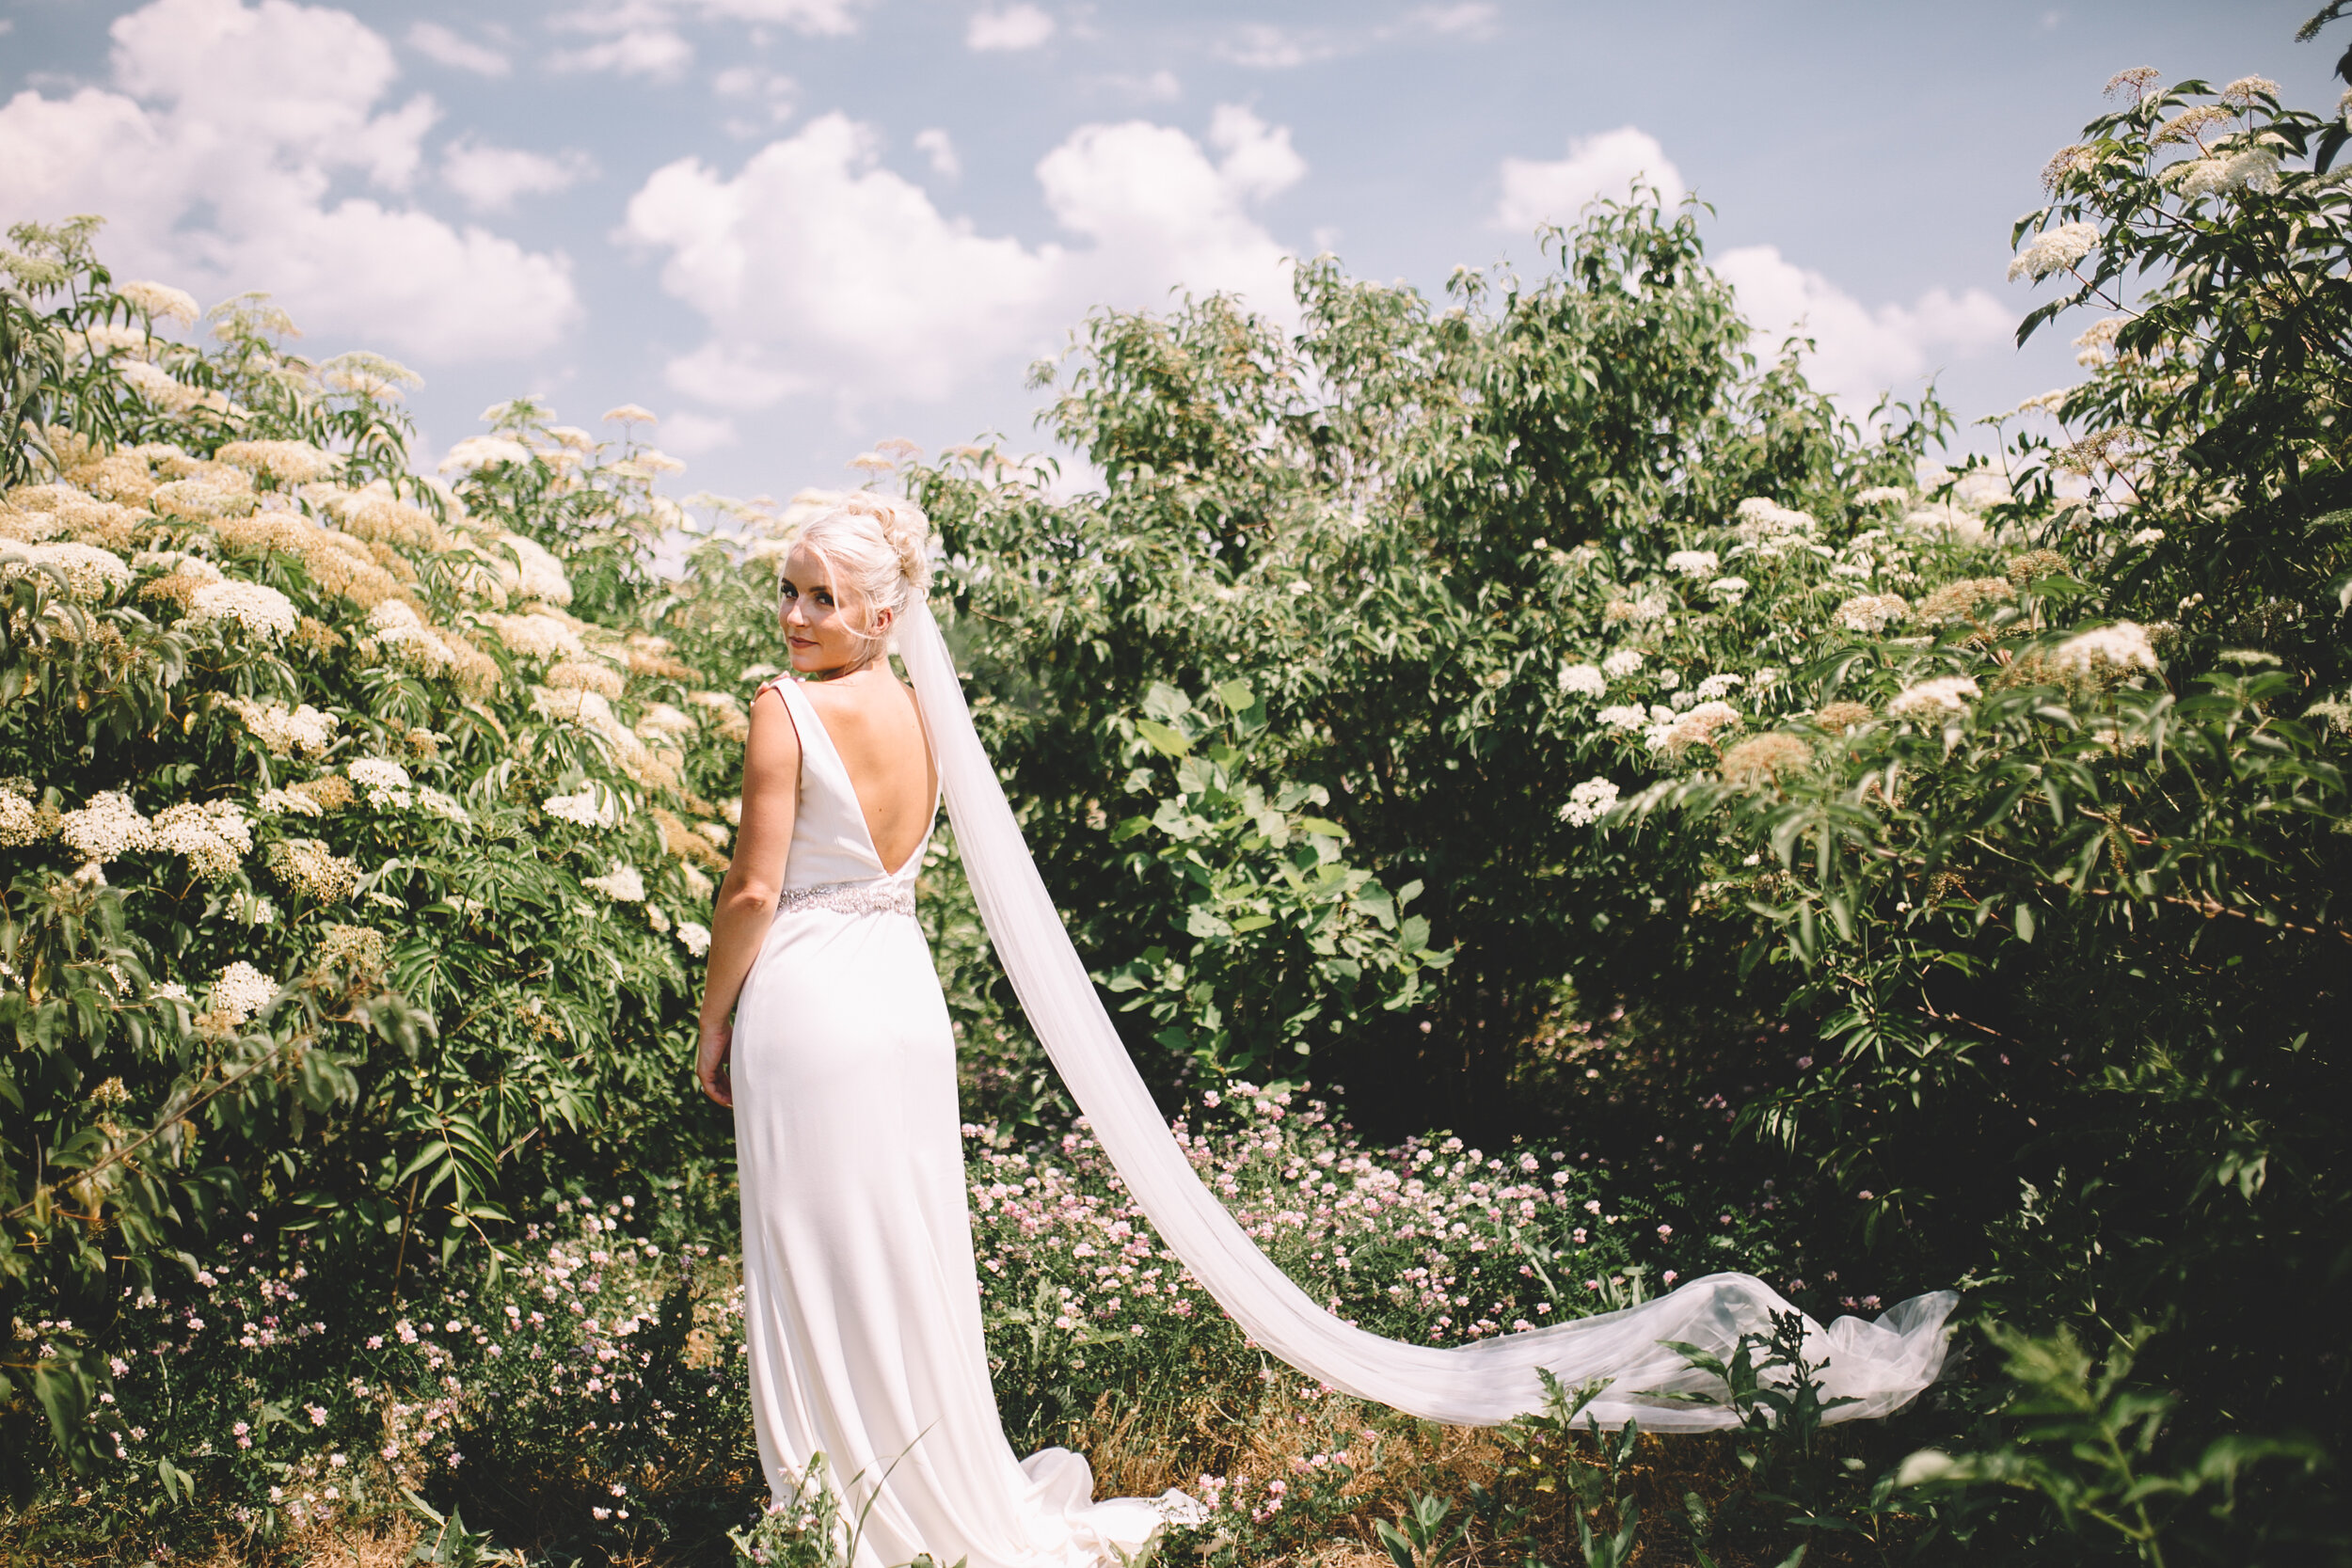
(641, 38)
(940, 148)
(770, 91)
(1264, 46)
(437, 43)
(1017, 26)
(821, 270)
(488, 179)
(214, 154)
(1861, 350)
(1269, 46)
(658, 54)
(690, 434)
(1468, 19)
(1536, 192)
(811, 18)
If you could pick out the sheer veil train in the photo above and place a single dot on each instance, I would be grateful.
(1880, 1365)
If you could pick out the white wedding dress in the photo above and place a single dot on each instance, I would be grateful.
(861, 1303)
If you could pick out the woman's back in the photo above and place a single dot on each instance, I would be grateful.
(873, 726)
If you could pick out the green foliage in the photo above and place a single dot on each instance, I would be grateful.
(1374, 527)
(2088, 1440)
(1290, 943)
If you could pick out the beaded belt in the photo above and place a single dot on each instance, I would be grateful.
(892, 897)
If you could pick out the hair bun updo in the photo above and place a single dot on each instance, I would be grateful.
(878, 546)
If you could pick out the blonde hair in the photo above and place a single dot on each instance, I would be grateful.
(875, 546)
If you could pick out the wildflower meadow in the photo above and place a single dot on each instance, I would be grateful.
(1556, 808)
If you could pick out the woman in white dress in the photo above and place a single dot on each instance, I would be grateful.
(824, 1026)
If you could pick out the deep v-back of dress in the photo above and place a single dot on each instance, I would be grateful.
(861, 1303)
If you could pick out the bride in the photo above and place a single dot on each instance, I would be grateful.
(823, 1028)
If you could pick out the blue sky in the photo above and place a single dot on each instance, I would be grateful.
(795, 226)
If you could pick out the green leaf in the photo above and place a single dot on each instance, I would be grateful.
(1166, 741)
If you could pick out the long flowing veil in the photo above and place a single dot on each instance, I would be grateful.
(1881, 1366)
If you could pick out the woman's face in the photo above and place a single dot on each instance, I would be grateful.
(821, 626)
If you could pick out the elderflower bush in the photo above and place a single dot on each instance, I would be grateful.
(265, 690)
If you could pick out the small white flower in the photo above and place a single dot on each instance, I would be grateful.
(253, 606)
(1883, 495)
(2054, 250)
(109, 826)
(2122, 647)
(2148, 536)
(1718, 686)
(438, 804)
(1731, 590)
(385, 782)
(694, 938)
(1621, 716)
(623, 884)
(1588, 802)
(1870, 612)
(1621, 663)
(1693, 564)
(242, 991)
(591, 808)
(1931, 699)
(1583, 680)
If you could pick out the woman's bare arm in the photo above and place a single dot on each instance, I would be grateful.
(747, 898)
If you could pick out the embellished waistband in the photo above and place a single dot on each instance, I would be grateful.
(892, 897)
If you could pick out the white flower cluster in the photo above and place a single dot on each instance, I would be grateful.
(2254, 169)
(623, 884)
(385, 784)
(180, 562)
(694, 938)
(1582, 680)
(402, 637)
(661, 719)
(482, 452)
(1621, 663)
(1883, 495)
(2121, 647)
(159, 301)
(276, 803)
(109, 826)
(2147, 536)
(214, 836)
(289, 463)
(528, 571)
(590, 808)
(433, 800)
(1719, 685)
(21, 821)
(1588, 802)
(1871, 613)
(252, 606)
(1729, 590)
(91, 575)
(241, 991)
(1933, 698)
(538, 636)
(300, 732)
(1692, 563)
(1622, 716)
(2054, 250)
(1677, 732)
(1766, 528)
